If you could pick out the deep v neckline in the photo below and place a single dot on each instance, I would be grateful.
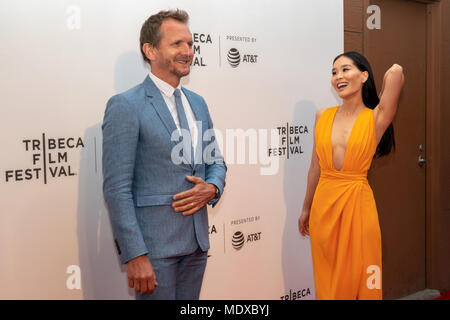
(348, 141)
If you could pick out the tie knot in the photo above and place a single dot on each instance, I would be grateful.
(177, 93)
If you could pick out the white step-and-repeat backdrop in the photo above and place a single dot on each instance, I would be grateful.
(263, 66)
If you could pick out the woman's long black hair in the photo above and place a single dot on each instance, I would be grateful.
(371, 100)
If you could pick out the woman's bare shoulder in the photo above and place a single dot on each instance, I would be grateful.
(321, 111)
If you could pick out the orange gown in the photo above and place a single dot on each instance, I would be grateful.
(344, 229)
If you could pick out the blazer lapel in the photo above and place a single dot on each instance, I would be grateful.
(201, 122)
(156, 99)
(195, 105)
(160, 106)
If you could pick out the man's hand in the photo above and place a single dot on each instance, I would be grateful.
(194, 199)
(141, 275)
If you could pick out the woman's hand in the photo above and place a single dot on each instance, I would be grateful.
(396, 68)
(303, 223)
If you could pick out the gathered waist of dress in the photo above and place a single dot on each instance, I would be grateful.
(343, 175)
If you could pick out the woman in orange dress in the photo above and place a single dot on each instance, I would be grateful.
(339, 212)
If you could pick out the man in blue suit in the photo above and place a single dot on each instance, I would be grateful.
(159, 173)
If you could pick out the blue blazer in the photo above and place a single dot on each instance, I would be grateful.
(140, 178)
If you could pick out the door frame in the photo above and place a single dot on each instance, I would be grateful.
(433, 142)
(432, 135)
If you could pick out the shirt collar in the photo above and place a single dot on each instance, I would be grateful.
(163, 86)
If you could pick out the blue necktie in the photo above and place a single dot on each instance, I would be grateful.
(187, 143)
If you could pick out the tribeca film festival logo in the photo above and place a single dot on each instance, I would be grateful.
(296, 294)
(290, 143)
(49, 159)
(213, 232)
(200, 39)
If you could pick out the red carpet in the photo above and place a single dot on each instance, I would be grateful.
(445, 296)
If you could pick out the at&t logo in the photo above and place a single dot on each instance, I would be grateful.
(234, 58)
(239, 239)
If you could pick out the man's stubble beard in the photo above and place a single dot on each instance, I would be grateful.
(172, 69)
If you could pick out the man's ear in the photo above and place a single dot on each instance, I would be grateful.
(149, 51)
